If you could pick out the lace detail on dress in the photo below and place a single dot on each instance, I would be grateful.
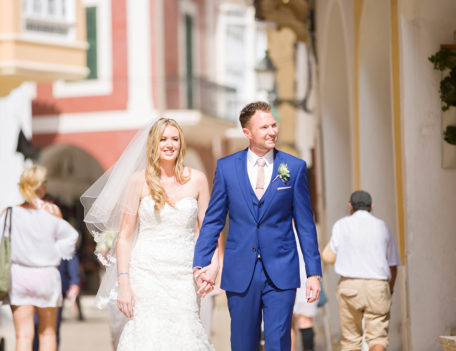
(166, 315)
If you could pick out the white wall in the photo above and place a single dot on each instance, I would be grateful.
(15, 114)
(376, 128)
(430, 190)
(336, 140)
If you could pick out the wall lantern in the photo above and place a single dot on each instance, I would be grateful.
(265, 70)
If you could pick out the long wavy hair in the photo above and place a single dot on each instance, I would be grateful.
(153, 171)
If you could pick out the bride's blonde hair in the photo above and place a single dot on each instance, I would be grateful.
(153, 171)
(31, 180)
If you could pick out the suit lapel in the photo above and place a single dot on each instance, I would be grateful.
(268, 196)
(244, 182)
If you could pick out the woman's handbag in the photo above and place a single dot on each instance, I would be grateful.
(5, 256)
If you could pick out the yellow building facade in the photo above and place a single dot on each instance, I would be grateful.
(41, 42)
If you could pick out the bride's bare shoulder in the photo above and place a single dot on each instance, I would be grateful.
(196, 175)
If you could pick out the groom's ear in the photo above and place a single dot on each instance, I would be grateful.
(247, 132)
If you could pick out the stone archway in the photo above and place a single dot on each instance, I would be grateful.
(336, 136)
(71, 171)
(193, 160)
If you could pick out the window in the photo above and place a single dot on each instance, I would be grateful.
(49, 17)
(189, 59)
(91, 23)
(99, 54)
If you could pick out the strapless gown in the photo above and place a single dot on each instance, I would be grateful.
(166, 312)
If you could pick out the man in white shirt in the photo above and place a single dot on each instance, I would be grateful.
(365, 255)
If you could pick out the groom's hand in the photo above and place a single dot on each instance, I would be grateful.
(204, 280)
(312, 288)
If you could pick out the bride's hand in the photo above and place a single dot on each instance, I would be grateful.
(209, 273)
(126, 300)
(207, 277)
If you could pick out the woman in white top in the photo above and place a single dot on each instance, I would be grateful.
(39, 240)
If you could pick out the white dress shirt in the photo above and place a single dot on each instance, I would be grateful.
(364, 247)
(252, 167)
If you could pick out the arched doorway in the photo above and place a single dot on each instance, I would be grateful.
(193, 160)
(376, 125)
(336, 136)
(71, 171)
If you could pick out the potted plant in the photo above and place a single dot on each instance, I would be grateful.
(445, 60)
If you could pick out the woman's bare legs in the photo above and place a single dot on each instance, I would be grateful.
(23, 326)
(47, 324)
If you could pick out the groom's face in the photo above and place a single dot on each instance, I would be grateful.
(262, 131)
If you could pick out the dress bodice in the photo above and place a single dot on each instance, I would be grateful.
(166, 236)
(180, 219)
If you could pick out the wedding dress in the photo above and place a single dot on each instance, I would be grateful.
(166, 310)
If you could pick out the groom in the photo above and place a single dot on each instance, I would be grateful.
(263, 190)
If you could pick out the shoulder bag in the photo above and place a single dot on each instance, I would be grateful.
(5, 256)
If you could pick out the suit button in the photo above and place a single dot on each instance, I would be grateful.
(254, 249)
(258, 225)
(260, 204)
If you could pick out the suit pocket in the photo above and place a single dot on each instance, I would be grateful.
(284, 187)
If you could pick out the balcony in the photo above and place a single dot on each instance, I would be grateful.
(41, 41)
(212, 99)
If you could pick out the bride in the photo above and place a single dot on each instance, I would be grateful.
(156, 205)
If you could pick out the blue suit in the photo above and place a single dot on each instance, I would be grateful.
(261, 266)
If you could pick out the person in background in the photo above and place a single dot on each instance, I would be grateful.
(39, 241)
(69, 273)
(365, 255)
(303, 313)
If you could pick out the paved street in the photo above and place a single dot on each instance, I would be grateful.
(93, 333)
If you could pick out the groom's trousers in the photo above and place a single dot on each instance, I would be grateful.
(261, 299)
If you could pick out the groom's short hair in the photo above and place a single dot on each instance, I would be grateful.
(249, 110)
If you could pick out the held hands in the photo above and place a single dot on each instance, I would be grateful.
(312, 289)
(205, 278)
(126, 300)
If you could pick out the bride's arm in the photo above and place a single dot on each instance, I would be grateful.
(207, 275)
(125, 298)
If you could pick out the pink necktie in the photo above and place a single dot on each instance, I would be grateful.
(259, 189)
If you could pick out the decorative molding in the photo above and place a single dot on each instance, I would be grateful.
(20, 67)
(107, 121)
(57, 42)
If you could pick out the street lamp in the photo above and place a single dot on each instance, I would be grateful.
(265, 71)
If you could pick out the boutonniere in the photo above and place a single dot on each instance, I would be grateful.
(283, 173)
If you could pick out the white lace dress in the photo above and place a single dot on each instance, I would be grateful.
(166, 312)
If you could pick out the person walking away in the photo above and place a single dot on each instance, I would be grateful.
(365, 255)
(39, 241)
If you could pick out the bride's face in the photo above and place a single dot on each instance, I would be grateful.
(169, 144)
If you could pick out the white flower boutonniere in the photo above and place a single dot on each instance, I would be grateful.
(284, 173)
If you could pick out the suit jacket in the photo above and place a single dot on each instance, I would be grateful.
(259, 226)
(69, 273)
